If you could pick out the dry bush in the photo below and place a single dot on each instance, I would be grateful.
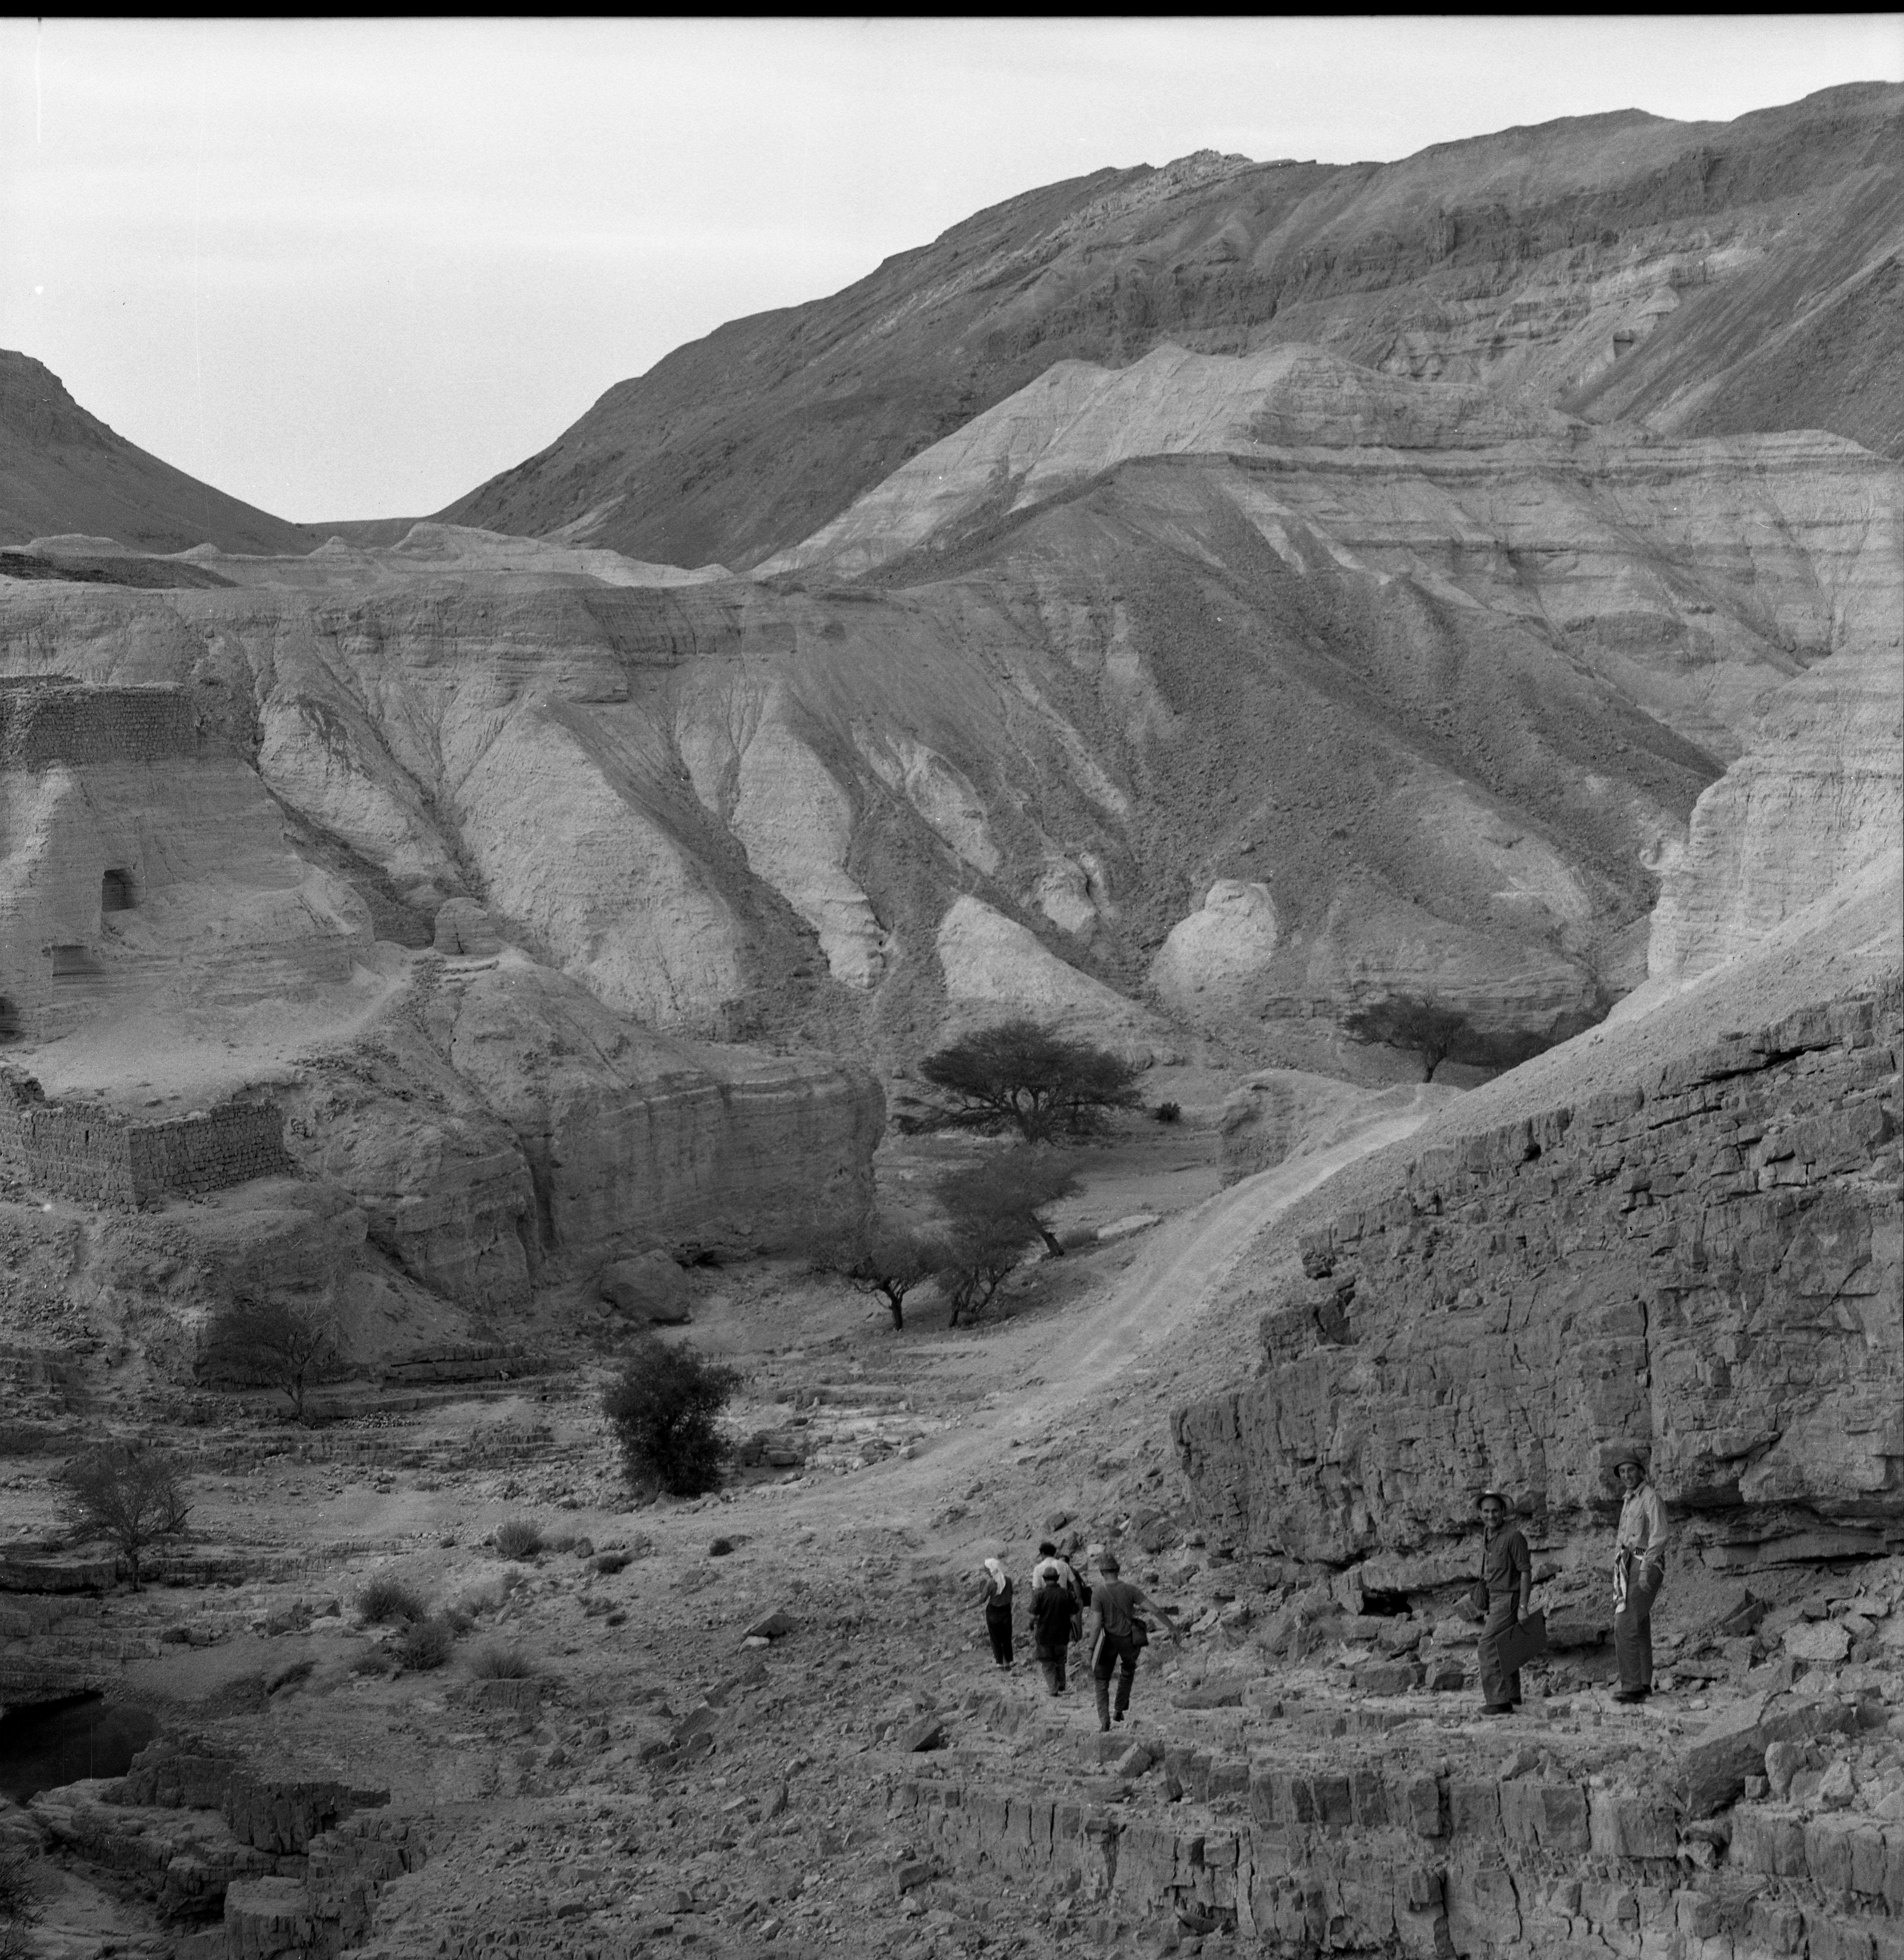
(425, 1644)
(501, 1660)
(474, 1601)
(519, 1538)
(385, 1600)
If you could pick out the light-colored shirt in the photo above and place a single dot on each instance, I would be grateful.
(1642, 1523)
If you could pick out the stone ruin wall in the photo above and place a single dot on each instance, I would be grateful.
(93, 1157)
(1710, 1263)
(47, 718)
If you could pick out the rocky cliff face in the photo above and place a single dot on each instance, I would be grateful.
(1422, 719)
(1819, 800)
(1709, 278)
(499, 1126)
(1708, 1265)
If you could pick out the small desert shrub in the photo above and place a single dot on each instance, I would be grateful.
(502, 1660)
(662, 1410)
(386, 1601)
(1167, 1112)
(425, 1644)
(519, 1538)
(475, 1600)
(562, 1542)
(612, 1561)
(372, 1660)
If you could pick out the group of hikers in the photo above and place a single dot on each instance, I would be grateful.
(1060, 1599)
(1503, 1592)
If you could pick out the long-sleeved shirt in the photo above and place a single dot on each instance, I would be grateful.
(1642, 1524)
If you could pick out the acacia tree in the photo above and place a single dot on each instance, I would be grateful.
(271, 1343)
(886, 1261)
(1434, 1034)
(128, 1493)
(1020, 1075)
(993, 1212)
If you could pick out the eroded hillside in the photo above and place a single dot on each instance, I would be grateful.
(1709, 278)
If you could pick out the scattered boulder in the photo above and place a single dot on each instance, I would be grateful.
(774, 1626)
(1817, 1640)
(928, 1733)
(650, 1286)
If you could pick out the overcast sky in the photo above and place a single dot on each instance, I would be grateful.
(350, 269)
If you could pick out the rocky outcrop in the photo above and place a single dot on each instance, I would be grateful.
(1379, 1846)
(1819, 800)
(502, 1121)
(1708, 1263)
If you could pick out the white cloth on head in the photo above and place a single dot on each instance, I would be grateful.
(996, 1568)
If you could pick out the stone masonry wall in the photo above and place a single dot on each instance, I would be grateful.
(192, 1154)
(94, 1157)
(1710, 1263)
(48, 718)
(1398, 1860)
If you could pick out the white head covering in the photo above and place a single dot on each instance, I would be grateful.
(996, 1568)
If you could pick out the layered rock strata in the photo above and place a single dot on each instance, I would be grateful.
(1708, 1263)
(1389, 1852)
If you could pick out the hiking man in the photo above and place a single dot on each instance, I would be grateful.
(1639, 1570)
(1507, 1572)
(1121, 1635)
(1052, 1565)
(1056, 1616)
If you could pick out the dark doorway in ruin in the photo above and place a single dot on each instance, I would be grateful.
(116, 892)
(73, 962)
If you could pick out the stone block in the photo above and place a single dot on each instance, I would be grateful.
(1484, 1912)
(1474, 1808)
(1335, 1801)
(1869, 1851)
(265, 1918)
(1818, 1641)
(1420, 1806)
(1827, 1937)
(1828, 1855)
(282, 1815)
(1389, 1676)
(1624, 1824)
(1768, 1841)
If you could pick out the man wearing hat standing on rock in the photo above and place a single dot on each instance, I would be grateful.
(1506, 1572)
(1639, 1570)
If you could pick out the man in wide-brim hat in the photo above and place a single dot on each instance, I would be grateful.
(1639, 1570)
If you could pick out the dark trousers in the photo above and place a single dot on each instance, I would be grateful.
(1052, 1660)
(1498, 1688)
(999, 1625)
(1111, 1656)
(1633, 1626)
